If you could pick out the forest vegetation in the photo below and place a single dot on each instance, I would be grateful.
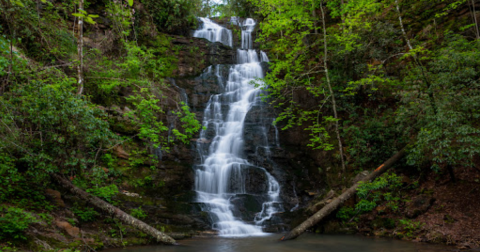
(82, 81)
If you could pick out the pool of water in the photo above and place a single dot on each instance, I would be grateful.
(305, 243)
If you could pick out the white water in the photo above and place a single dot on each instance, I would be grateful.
(222, 173)
(214, 32)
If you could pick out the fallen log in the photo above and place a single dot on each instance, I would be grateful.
(116, 212)
(337, 202)
(317, 206)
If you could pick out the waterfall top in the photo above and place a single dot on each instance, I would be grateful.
(214, 32)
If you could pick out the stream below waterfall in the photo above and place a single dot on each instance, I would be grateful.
(305, 243)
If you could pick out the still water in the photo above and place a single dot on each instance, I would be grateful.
(305, 243)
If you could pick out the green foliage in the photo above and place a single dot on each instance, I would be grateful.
(122, 230)
(147, 118)
(234, 8)
(71, 221)
(291, 31)
(410, 228)
(138, 213)
(39, 29)
(46, 217)
(105, 192)
(14, 221)
(356, 18)
(85, 214)
(190, 124)
(109, 160)
(370, 140)
(370, 194)
(49, 129)
(445, 105)
(345, 213)
(122, 16)
(9, 59)
(173, 15)
(451, 6)
(373, 192)
(86, 17)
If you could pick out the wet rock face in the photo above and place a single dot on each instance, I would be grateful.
(200, 88)
(262, 148)
(246, 206)
(255, 180)
(283, 154)
(196, 54)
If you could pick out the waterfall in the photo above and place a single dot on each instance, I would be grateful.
(224, 170)
(214, 32)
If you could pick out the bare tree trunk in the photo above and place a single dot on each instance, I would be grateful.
(334, 104)
(116, 212)
(337, 202)
(477, 33)
(427, 82)
(401, 25)
(80, 49)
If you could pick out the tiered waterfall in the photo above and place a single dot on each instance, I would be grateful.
(224, 169)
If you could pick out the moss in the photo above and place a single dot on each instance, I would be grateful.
(75, 244)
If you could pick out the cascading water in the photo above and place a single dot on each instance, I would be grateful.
(213, 32)
(224, 170)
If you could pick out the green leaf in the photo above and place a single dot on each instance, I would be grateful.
(19, 3)
(78, 15)
(130, 2)
(89, 20)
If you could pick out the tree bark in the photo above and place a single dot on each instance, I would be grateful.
(80, 49)
(477, 32)
(116, 212)
(332, 206)
(334, 104)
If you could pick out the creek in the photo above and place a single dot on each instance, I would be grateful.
(305, 243)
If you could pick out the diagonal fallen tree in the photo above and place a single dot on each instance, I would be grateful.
(116, 212)
(337, 202)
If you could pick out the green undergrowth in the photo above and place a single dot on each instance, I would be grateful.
(46, 127)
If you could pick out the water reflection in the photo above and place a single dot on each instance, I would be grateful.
(305, 243)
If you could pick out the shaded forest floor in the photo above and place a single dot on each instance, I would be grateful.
(438, 211)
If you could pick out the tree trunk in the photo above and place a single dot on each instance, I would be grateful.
(337, 202)
(477, 32)
(334, 104)
(417, 61)
(116, 212)
(80, 49)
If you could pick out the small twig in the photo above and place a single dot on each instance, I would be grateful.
(96, 155)
(398, 54)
